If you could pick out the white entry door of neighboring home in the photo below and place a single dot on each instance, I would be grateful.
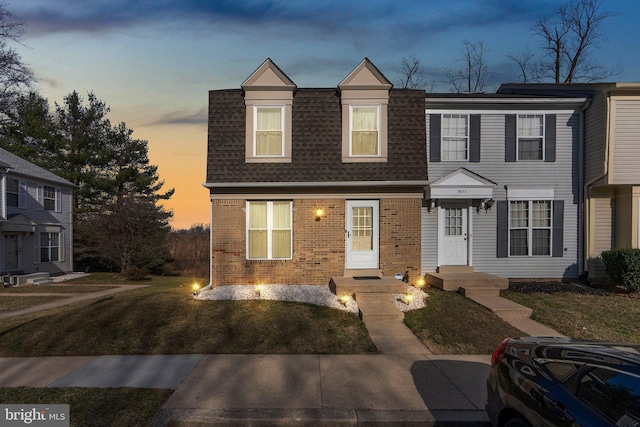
(453, 233)
(362, 234)
(11, 251)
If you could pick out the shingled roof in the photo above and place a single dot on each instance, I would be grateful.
(19, 166)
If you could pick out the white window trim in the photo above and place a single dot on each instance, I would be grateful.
(282, 129)
(531, 193)
(57, 196)
(269, 230)
(530, 228)
(442, 137)
(379, 116)
(544, 122)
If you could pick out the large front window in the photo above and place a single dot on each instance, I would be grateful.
(530, 227)
(455, 136)
(269, 230)
(269, 131)
(530, 137)
(364, 131)
(49, 247)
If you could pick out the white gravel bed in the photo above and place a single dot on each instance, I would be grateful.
(312, 294)
(417, 299)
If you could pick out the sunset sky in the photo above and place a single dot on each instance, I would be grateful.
(154, 61)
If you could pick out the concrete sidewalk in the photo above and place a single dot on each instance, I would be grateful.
(281, 389)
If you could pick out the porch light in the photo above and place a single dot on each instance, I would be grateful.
(259, 288)
(319, 213)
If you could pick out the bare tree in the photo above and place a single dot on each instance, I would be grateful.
(568, 40)
(469, 73)
(528, 68)
(410, 75)
(15, 76)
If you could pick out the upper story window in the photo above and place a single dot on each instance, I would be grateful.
(365, 131)
(364, 96)
(269, 131)
(13, 192)
(268, 98)
(455, 136)
(49, 198)
(530, 137)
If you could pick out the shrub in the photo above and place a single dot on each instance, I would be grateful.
(136, 273)
(623, 267)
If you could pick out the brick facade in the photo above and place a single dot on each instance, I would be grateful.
(318, 246)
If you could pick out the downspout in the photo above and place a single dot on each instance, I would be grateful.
(210, 285)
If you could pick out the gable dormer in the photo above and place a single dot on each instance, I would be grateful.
(364, 95)
(268, 97)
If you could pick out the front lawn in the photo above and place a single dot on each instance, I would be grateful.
(582, 312)
(104, 407)
(453, 324)
(163, 318)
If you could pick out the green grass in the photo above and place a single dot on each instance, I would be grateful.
(610, 318)
(163, 318)
(95, 407)
(13, 303)
(453, 324)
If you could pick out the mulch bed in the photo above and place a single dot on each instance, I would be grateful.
(573, 287)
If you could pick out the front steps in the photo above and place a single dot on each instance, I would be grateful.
(377, 307)
(31, 279)
(366, 281)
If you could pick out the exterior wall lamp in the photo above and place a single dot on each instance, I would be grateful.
(319, 214)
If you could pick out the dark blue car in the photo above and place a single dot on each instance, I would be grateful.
(563, 382)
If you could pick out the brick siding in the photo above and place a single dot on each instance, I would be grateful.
(318, 246)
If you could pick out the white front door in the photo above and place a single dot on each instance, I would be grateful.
(453, 234)
(362, 234)
(11, 252)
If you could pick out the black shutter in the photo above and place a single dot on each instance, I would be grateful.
(510, 138)
(434, 137)
(503, 228)
(550, 138)
(558, 228)
(474, 138)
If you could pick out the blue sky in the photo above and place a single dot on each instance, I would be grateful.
(154, 61)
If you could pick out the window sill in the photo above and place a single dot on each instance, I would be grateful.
(267, 160)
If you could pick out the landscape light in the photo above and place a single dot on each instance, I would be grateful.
(408, 298)
(259, 289)
(421, 282)
(344, 299)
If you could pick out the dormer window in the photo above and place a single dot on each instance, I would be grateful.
(268, 97)
(365, 131)
(269, 131)
(364, 95)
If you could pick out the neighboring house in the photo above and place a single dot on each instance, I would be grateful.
(611, 192)
(308, 183)
(36, 218)
(504, 185)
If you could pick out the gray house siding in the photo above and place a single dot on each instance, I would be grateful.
(22, 248)
(493, 165)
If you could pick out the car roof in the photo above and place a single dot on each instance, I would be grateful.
(622, 356)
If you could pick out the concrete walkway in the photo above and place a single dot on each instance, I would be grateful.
(66, 299)
(330, 390)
